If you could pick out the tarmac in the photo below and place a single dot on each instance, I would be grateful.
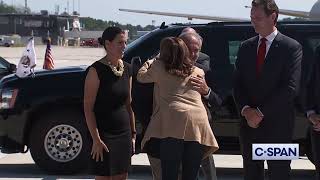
(229, 167)
(63, 56)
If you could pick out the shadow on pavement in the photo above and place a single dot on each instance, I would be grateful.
(32, 171)
(136, 171)
(296, 174)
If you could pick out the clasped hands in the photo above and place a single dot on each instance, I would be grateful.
(315, 120)
(252, 116)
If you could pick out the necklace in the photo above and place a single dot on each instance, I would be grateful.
(115, 69)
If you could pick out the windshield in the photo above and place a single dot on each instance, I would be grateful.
(2, 63)
(137, 41)
(148, 45)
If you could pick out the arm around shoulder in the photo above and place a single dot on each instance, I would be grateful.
(147, 73)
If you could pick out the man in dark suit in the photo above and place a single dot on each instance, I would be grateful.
(267, 78)
(313, 110)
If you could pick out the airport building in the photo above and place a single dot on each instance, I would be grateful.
(38, 25)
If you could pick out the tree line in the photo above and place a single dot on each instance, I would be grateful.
(99, 25)
(90, 24)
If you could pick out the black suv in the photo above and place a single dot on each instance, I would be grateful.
(44, 113)
(6, 68)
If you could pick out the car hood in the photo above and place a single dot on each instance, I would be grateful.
(43, 72)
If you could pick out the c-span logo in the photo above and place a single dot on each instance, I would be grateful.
(275, 151)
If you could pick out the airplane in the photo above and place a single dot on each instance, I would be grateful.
(314, 14)
(189, 16)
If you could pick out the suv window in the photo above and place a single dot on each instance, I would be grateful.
(224, 43)
(233, 51)
(2, 66)
(148, 45)
(313, 42)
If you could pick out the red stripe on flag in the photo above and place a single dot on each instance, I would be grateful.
(48, 59)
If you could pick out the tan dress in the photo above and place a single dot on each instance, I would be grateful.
(179, 111)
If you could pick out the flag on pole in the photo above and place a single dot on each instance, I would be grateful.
(48, 59)
(28, 60)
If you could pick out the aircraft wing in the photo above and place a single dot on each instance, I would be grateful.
(303, 14)
(294, 13)
(189, 16)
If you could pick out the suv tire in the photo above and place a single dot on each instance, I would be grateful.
(59, 141)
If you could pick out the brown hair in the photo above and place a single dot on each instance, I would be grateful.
(174, 54)
(269, 7)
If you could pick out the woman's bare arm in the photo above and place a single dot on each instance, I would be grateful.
(90, 92)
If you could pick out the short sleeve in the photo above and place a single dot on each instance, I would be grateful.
(97, 66)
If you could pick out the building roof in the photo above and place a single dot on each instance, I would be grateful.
(83, 34)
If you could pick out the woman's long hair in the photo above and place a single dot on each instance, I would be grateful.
(174, 54)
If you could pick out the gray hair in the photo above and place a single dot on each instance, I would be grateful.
(188, 34)
(189, 30)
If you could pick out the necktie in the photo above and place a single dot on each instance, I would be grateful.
(261, 55)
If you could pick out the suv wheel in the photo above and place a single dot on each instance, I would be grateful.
(63, 143)
(59, 142)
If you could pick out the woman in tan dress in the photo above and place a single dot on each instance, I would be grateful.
(179, 120)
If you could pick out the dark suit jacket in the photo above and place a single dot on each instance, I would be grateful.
(274, 92)
(203, 62)
(313, 86)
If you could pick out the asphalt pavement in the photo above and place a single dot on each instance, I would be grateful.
(229, 167)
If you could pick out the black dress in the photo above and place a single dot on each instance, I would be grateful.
(112, 121)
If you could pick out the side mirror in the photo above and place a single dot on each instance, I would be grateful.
(136, 64)
(12, 68)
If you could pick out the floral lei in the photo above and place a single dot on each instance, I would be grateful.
(114, 68)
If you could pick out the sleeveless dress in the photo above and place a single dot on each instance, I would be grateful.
(113, 121)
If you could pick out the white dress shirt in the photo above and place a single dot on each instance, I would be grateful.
(269, 41)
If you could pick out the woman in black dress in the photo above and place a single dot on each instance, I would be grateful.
(108, 112)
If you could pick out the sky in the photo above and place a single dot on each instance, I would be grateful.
(108, 9)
